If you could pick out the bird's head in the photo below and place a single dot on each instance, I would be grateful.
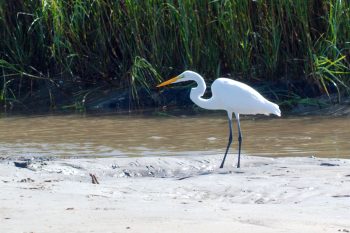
(185, 76)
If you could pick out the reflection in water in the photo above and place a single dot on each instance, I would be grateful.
(67, 136)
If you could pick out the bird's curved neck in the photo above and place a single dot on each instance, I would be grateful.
(198, 92)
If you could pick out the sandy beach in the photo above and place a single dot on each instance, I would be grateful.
(175, 194)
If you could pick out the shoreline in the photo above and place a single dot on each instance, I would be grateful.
(176, 194)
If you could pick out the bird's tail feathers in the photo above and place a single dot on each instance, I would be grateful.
(274, 109)
(277, 111)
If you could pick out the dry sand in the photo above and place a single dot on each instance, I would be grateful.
(176, 194)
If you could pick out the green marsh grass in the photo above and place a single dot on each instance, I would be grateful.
(133, 45)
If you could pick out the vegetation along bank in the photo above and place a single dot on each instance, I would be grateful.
(76, 55)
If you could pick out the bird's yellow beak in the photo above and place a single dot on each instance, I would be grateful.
(170, 81)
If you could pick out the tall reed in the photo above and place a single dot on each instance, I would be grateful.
(133, 44)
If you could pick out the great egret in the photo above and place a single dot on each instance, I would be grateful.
(230, 95)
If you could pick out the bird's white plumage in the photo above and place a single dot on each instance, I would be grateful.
(240, 98)
(230, 95)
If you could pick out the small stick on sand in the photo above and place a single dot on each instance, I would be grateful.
(94, 179)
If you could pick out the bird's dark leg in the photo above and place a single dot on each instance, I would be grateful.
(229, 140)
(239, 141)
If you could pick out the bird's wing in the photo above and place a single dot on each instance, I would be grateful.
(239, 97)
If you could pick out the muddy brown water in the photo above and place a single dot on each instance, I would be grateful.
(71, 136)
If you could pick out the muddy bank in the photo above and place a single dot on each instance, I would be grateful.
(298, 98)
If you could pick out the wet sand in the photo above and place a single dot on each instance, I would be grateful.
(176, 194)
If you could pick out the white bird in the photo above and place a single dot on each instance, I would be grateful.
(230, 95)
